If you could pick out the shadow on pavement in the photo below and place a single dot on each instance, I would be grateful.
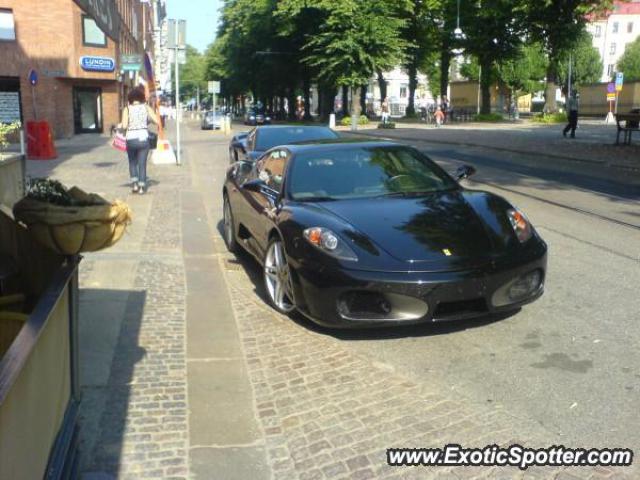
(105, 407)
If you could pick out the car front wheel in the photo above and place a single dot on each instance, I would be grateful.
(277, 277)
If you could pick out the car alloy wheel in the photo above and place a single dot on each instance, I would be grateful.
(277, 278)
(229, 227)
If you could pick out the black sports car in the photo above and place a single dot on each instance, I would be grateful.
(374, 233)
(250, 145)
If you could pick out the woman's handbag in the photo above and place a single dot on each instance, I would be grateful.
(153, 140)
(119, 142)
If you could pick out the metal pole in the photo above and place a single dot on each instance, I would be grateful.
(479, 86)
(178, 107)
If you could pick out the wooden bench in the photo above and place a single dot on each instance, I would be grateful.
(631, 124)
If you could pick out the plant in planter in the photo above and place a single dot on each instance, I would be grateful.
(71, 221)
(387, 125)
(7, 129)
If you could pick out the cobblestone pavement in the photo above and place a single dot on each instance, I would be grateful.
(328, 413)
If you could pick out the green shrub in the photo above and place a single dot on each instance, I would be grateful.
(346, 121)
(549, 118)
(387, 125)
(488, 117)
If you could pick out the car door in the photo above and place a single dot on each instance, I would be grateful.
(262, 206)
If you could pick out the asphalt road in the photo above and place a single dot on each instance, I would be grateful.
(570, 361)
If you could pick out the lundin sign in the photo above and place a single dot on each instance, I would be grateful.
(97, 64)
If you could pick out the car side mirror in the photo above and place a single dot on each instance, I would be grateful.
(464, 171)
(243, 167)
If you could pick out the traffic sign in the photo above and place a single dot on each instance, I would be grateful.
(130, 62)
(619, 81)
(611, 87)
(611, 97)
(213, 87)
(33, 77)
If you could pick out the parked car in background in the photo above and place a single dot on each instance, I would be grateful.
(250, 145)
(368, 233)
(211, 121)
(256, 117)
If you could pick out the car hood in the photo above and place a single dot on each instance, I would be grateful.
(437, 227)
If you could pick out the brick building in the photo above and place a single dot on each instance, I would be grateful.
(74, 47)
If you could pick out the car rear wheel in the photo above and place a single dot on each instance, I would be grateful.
(229, 227)
(277, 278)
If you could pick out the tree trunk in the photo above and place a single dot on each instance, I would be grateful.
(445, 64)
(363, 99)
(345, 100)
(413, 85)
(382, 83)
(485, 87)
(306, 85)
(550, 105)
(291, 103)
(355, 107)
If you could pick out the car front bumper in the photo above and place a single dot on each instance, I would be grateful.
(353, 298)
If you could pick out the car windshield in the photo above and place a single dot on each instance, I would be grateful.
(272, 137)
(361, 172)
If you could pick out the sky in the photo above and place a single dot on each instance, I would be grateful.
(202, 19)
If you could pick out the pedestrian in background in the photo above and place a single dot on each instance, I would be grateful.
(572, 107)
(135, 121)
(385, 111)
(439, 116)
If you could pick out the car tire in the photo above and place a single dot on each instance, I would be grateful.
(277, 277)
(229, 227)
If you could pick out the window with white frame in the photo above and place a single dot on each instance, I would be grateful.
(610, 70)
(598, 31)
(630, 27)
(7, 25)
(403, 91)
(616, 26)
(612, 49)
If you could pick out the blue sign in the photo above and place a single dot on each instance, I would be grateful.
(97, 64)
(33, 77)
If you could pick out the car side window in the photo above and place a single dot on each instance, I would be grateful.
(271, 168)
(251, 141)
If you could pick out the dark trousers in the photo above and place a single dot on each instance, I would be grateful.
(573, 123)
(138, 151)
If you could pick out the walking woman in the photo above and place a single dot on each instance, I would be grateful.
(135, 120)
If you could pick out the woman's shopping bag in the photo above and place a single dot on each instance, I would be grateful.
(119, 142)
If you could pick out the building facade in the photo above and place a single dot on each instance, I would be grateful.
(60, 61)
(612, 32)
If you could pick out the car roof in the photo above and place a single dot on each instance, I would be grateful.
(338, 143)
(282, 127)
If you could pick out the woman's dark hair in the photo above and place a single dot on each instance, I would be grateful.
(137, 95)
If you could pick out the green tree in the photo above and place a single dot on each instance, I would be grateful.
(193, 73)
(557, 25)
(629, 63)
(525, 72)
(586, 66)
(495, 35)
(358, 38)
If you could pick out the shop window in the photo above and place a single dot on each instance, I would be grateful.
(91, 34)
(7, 25)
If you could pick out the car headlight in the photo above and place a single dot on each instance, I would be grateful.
(327, 241)
(518, 289)
(268, 119)
(521, 225)
(252, 117)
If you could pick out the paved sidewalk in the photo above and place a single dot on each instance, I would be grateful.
(186, 372)
(595, 142)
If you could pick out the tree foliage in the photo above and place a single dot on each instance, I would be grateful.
(629, 63)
